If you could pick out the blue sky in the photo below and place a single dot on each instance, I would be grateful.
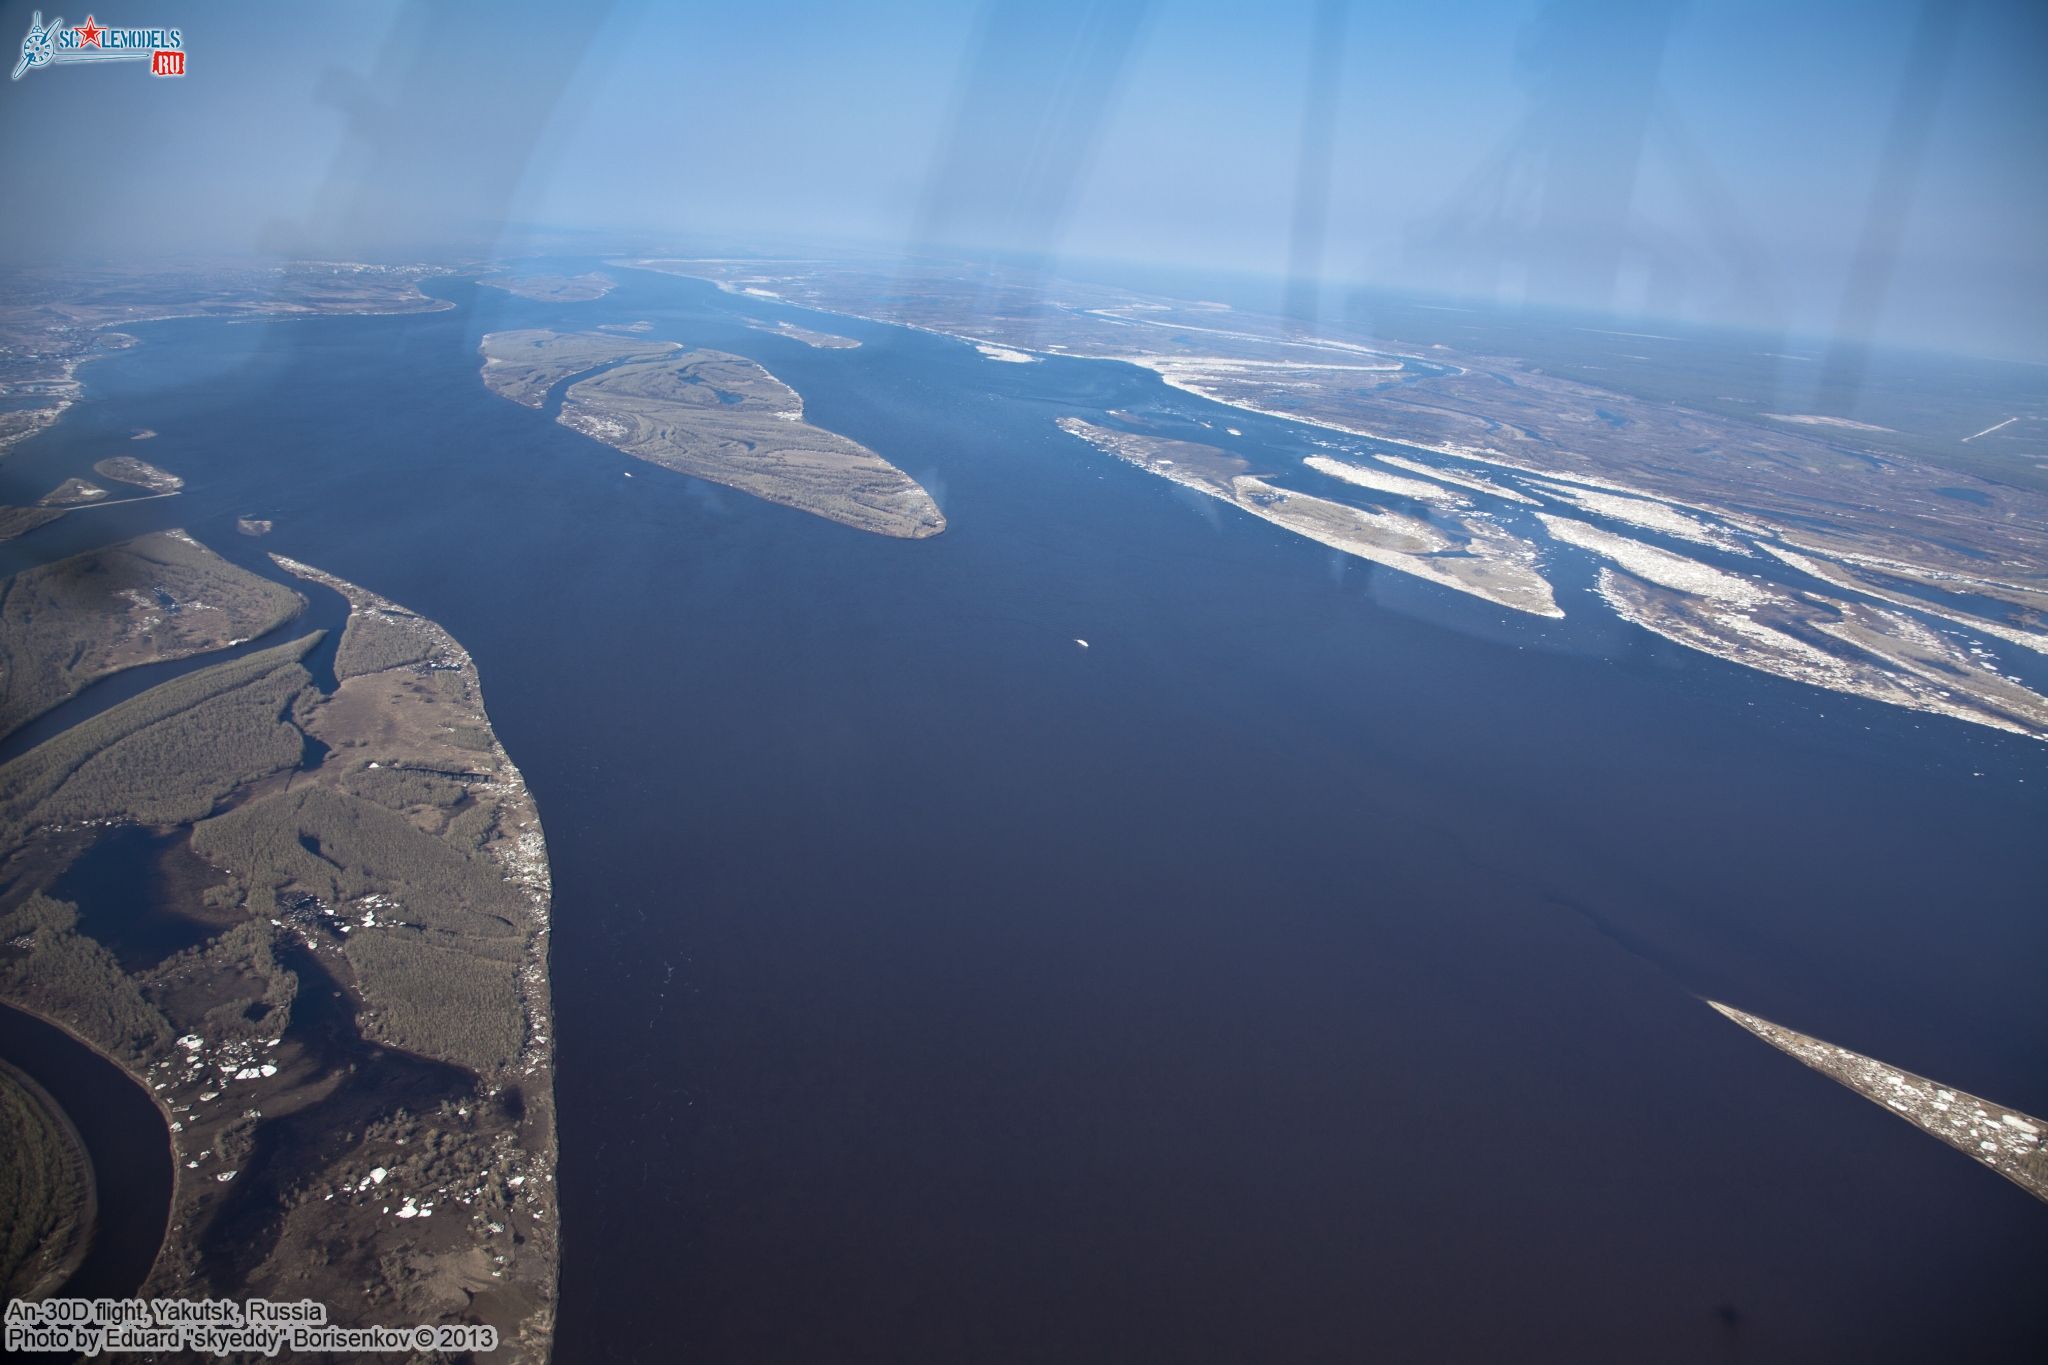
(1711, 161)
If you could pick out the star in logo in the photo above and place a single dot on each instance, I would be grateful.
(88, 33)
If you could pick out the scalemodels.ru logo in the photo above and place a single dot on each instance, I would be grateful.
(57, 45)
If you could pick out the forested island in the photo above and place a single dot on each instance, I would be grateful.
(331, 975)
(720, 417)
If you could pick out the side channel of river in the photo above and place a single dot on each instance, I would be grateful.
(126, 1138)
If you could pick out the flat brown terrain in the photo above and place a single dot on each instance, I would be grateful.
(19, 521)
(72, 493)
(524, 365)
(141, 473)
(2011, 1143)
(46, 1191)
(824, 341)
(725, 419)
(162, 596)
(354, 1056)
(552, 288)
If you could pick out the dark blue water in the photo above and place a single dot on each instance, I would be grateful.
(125, 1140)
(1308, 970)
(137, 891)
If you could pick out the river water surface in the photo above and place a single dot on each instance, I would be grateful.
(1309, 969)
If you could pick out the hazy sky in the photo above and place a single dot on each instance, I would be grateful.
(1869, 164)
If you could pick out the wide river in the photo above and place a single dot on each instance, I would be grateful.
(1309, 969)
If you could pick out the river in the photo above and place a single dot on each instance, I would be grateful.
(1310, 968)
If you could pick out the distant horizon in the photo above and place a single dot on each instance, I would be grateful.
(1832, 169)
(1108, 271)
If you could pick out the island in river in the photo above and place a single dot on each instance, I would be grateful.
(2011, 1143)
(45, 1186)
(822, 341)
(553, 288)
(1463, 550)
(523, 365)
(328, 960)
(719, 417)
(1890, 561)
(141, 473)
